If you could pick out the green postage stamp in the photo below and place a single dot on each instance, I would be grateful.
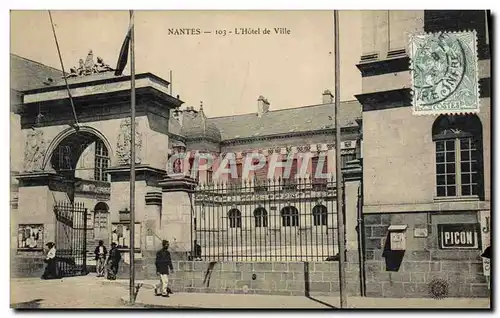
(444, 71)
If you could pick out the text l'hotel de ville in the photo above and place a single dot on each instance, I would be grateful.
(231, 31)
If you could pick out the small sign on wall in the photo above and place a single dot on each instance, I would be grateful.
(458, 236)
(420, 232)
(150, 242)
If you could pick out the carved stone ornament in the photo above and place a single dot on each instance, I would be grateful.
(34, 151)
(123, 143)
(89, 67)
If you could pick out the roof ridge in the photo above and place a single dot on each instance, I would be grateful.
(283, 109)
(36, 62)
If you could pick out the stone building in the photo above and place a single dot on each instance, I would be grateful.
(407, 193)
(74, 176)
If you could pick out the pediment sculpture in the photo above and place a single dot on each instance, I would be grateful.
(89, 67)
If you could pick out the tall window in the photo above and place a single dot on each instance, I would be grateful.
(194, 174)
(260, 176)
(319, 183)
(290, 216)
(260, 215)
(234, 216)
(458, 142)
(209, 176)
(320, 215)
(101, 161)
(289, 182)
(235, 181)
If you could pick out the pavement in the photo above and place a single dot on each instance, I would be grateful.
(89, 291)
(242, 301)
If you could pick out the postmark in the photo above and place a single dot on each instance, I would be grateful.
(444, 72)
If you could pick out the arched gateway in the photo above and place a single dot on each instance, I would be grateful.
(76, 161)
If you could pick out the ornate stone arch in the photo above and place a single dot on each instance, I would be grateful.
(68, 132)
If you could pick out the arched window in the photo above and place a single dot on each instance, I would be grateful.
(459, 166)
(101, 161)
(260, 215)
(320, 215)
(290, 216)
(234, 216)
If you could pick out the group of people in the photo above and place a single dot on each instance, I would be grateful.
(107, 262)
(163, 264)
(111, 260)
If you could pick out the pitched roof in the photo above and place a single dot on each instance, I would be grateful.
(291, 120)
(27, 74)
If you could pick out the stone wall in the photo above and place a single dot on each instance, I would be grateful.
(272, 278)
(408, 273)
(29, 264)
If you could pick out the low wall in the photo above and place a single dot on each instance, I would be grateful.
(276, 278)
(27, 264)
(271, 278)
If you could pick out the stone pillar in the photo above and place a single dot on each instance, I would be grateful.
(152, 221)
(146, 180)
(38, 192)
(352, 189)
(352, 182)
(176, 214)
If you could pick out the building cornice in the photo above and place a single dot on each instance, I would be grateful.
(142, 172)
(385, 66)
(385, 99)
(453, 206)
(350, 129)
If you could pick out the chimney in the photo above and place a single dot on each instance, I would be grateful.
(263, 106)
(327, 97)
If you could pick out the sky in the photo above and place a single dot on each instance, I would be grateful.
(228, 73)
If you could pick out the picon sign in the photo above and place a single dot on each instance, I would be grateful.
(458, 236)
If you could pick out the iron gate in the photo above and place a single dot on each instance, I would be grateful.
(273, 220)
(71, 238)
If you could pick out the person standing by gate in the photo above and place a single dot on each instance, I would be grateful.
(164, 267)
(50, 259)
(113, 261)
(100, 257)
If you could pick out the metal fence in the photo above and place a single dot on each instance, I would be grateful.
(273, 220)
(71, 238)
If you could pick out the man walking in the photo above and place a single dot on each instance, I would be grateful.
(164, 267)
(100, 257)
(113, 261)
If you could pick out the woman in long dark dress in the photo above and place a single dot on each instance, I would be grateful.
(50, 259)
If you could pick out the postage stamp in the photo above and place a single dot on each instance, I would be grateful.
(444, 71)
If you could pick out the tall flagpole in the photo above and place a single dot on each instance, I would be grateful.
(339, 180)
(132, 159)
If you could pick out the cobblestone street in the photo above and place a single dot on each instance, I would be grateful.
(72, 292)
(92, 292)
